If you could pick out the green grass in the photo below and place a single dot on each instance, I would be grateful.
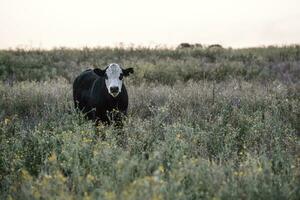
(202, 124)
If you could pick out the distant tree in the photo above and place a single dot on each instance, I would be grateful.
(198, 45)
(215, 46)
(184, 45)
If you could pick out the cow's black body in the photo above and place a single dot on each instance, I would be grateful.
(92, 98)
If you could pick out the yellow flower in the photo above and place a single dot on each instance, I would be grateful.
(90, 177)
(25, 174)
(95, 153)
(110, 195)
(36, 193)
(53, 157)
(259, 169)
(6, 121)
(239, 173)
(161, 169)
(87, 140)
(194, 160)
(86, 196)
(47, 177)
(157, 197)
(60, 176)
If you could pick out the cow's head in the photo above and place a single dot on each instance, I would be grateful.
(113, 75)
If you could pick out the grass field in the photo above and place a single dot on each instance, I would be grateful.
(203, 124)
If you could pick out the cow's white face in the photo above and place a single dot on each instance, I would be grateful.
(113, 79)
(113, 75)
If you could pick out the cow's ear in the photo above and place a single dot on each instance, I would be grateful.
(127, 71)
(99, 72)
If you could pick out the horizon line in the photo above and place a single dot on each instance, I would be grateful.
(122, 45)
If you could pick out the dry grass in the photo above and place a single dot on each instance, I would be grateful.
(229, 138)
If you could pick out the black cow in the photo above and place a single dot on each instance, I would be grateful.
(101, 94)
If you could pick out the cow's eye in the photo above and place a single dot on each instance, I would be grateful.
(105, 76)
(121, 76)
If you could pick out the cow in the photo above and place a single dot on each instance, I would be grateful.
(101, 94)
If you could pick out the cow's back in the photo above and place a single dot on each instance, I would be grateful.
(82, 88)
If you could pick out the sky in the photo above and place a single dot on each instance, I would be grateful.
(93, 23)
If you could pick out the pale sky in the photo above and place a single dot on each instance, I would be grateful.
(79, 23)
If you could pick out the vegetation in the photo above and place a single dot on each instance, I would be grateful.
(203, 124)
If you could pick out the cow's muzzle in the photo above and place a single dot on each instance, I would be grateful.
(114, 91)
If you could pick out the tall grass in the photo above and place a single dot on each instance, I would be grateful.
(182, 141)
(230, 138)
(156, 65)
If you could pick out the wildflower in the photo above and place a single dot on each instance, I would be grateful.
(239, 173)
(25, 174)
(161, 169)
(259, 169)
(194, 160)
(151, 179)
(110, 195)
(52, 158)
(36, 193)
(47, 177)
(292, 166)
(60, 176)
(87, 140)
(90, 177)
(157, 197)
(86, 196)
(6, 121)
(95, 153)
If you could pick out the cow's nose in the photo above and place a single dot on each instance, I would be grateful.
(114, 89)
